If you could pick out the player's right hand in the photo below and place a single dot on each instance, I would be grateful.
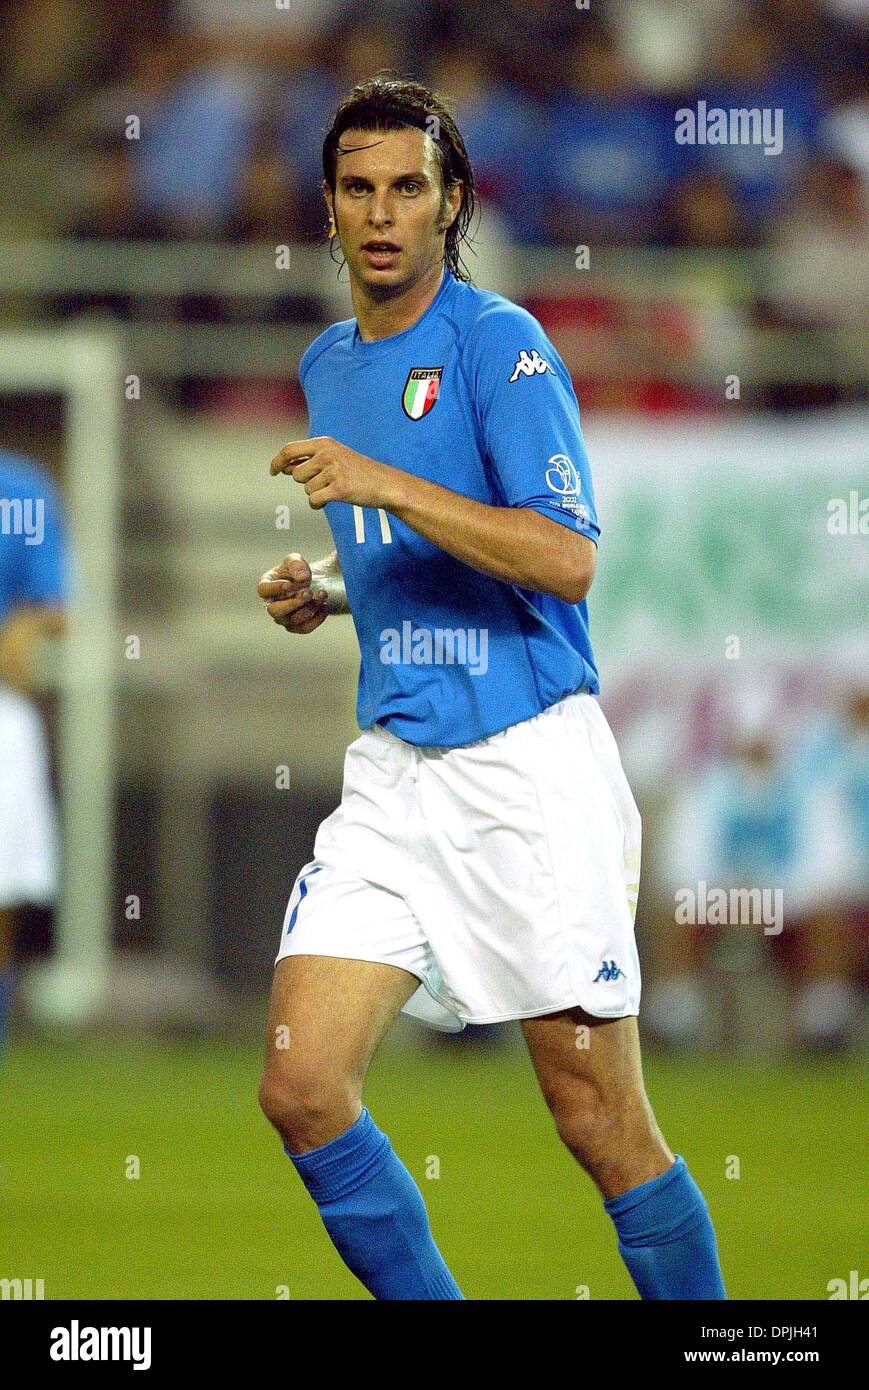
(291, 599)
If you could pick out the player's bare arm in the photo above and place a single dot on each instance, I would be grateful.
(20, 638)
(514, 544)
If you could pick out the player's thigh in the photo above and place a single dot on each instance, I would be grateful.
(586, 1064)
(327, 1017)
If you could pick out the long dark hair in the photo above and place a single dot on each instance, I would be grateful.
(390, 102)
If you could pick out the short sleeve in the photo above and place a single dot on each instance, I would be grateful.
(529, 418)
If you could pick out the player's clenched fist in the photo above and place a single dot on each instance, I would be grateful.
(292, 597)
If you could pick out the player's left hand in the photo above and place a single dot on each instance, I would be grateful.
(332, 472)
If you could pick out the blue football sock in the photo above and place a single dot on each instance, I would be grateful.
(7, 988)
(375, 1214)
(666, 1237)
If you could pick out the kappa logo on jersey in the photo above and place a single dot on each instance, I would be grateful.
(561, 475)
(609, 971)
(421, 391)
(530, 364)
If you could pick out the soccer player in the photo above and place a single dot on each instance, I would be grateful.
(483, 864)
(33, 594)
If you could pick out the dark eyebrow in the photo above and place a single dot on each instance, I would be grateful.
(399, 178)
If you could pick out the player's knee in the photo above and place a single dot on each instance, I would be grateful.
(304, 1105)
(584, 1123)
(591, 1114)
(597, 1125)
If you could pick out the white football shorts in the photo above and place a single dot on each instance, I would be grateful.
(503, 873)
(28, 830)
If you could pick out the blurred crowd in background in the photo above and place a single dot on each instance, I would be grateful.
(569, 118)
(560, 110)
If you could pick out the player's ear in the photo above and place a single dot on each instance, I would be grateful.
(452, 203)
(330, 207)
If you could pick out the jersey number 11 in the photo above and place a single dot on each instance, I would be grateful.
(359, 521)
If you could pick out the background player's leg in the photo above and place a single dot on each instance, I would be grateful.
(7, 976)
(327, 1018)
(598, 1100)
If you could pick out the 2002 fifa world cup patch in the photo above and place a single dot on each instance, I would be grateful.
(421, 391)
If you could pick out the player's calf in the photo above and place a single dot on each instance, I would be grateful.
(327, 1017)
(665, 1234)
(597, 1098)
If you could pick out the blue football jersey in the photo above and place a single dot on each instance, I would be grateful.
(34, 555)
(472, 396)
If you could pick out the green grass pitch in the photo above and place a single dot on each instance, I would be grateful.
(218, 1212)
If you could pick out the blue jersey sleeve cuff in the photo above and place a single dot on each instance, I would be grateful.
(583, 526)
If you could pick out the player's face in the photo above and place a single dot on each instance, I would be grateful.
(388, 208)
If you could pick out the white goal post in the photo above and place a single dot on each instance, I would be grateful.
(86, 367)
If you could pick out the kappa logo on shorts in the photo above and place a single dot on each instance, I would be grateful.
(421, 391)
(609, 971)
